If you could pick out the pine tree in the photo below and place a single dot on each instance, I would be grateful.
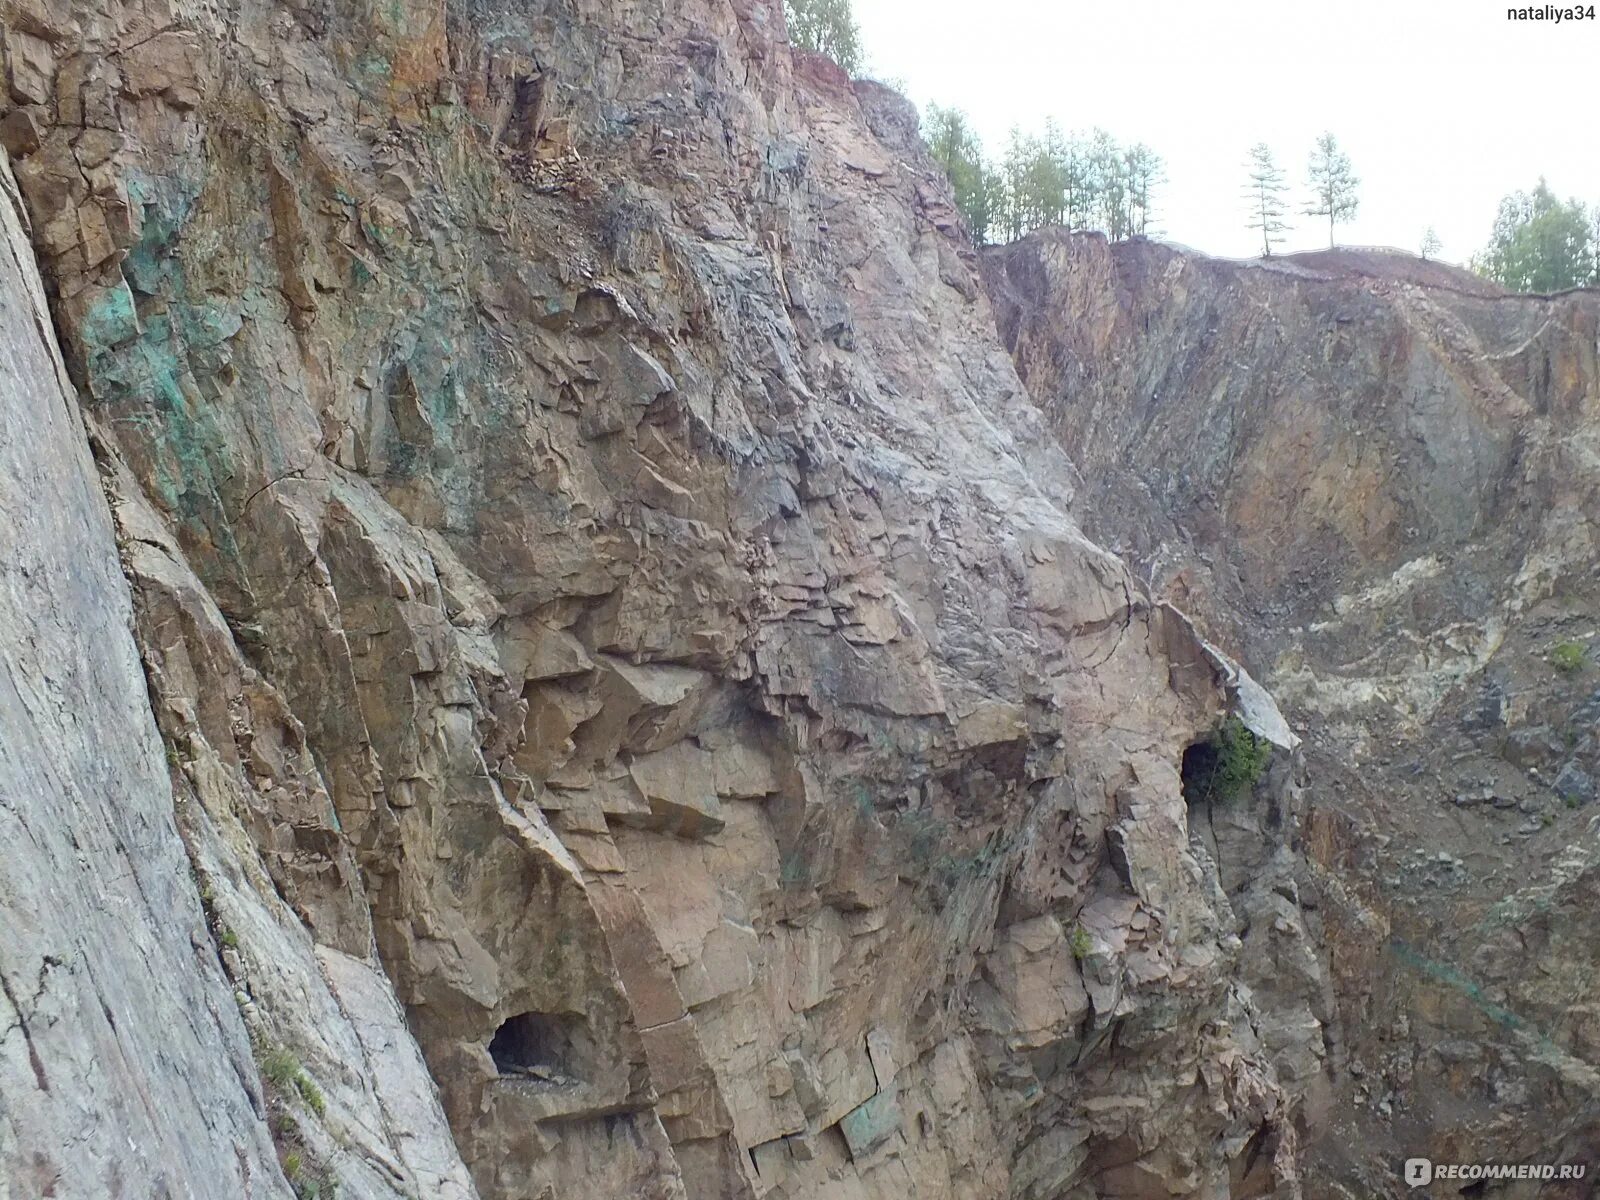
(988, 203)
(1078, 190)
(1109, 180)
(1430, 243)
(1017, 171)
(827, 27)
(1594, 246)
(1333, 184)
(1050, 174)
(1142, 167)
(1264, 193)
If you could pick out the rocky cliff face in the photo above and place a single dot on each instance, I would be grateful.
(639, 718)
(159, 995)
(114, 1011)
(1376, 480)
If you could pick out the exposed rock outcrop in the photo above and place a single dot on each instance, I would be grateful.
(114, 1009)
(1376, 481)
(154, 977)
(618, 633)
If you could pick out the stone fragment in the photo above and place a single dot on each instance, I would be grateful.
(21, 131)
(678, 786)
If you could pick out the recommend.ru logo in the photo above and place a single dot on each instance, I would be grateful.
(1419, 1172)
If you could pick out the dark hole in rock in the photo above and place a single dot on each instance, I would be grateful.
(522, 125)
(1225, 767)
(540, 1046)
(1200, 762)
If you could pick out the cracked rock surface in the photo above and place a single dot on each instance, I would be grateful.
(114, 1009)
(637, 715)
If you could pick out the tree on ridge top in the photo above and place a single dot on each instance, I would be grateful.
(1333, 184)
(827, 27)
(1540, 244)
(1265, 195)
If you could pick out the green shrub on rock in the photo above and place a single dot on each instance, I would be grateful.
(1227, 765)
(1568, 657)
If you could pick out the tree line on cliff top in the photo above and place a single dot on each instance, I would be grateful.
(1077, 181)
(1542, 244)
(1091, 181)
(1539, 243)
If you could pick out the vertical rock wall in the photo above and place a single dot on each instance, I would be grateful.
(115, 1013)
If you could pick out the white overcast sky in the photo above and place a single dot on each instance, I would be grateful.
(1442, 105)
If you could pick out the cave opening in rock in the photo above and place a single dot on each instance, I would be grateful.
(1226, 766)
(536, 1045)
(1199, 771)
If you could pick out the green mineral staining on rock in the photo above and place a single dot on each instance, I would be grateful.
(871, 1123)
(211, 324)
(109, 321)
(164, 205)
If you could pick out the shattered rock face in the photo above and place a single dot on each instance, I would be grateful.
(632, 689)
(1374, 480)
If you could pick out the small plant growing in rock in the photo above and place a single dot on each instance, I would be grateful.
(1568, 657)
(309, 1181)
(279, 1068)
(1081, 943)
(311, 1094)
(284, 1074)
(305, 1169)
(1242, 756)
(1227, 764)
